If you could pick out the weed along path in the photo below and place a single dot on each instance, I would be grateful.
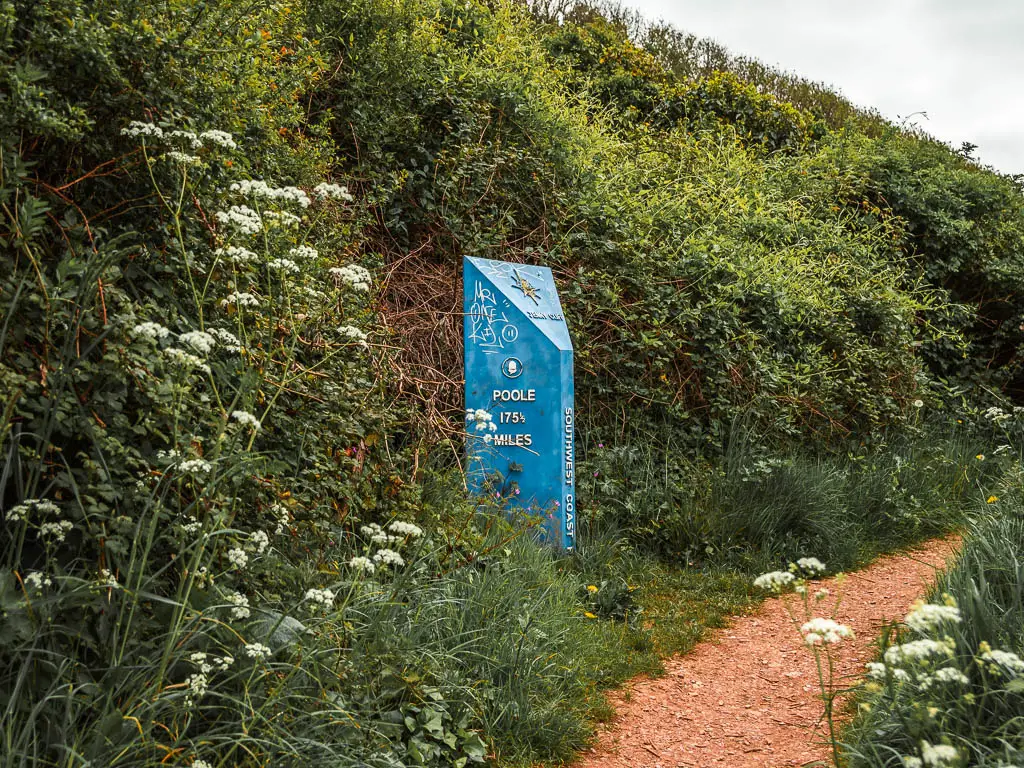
(748, 696)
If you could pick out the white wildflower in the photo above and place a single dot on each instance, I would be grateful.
(362, 564)
(198, 684)
(354, 276)
(909, 761)
(22, 510)
(200, 341)
(951, 675)
(283, 219)
(405, 529)
(201, 764)
(241, 218)
(303, 253)
(322, 598)
(226, 339)
(263, 191)
(189, 138)
(775, 581)
(388, 557)
(333, 191)
(192, 527)
(240, 604)
(225, 661)
(221, 139)
(37, 580)
(106, 578)
(480, 419)
(927, 617)
(1002, 661)
(918, 403)
(195, 467)
(919, 651)
(199, 658)
(257, 651)
(238, 558)
(151, 331)
(353, 333)
(285, 265)
(136, 129)
(824, 631)
(939, 755)
(246, 419)
(58, 530)
(259, 541)
(282, 518)
(185, 360)
(811, 565)
(181, 158)
(240, 299)
(236, 254)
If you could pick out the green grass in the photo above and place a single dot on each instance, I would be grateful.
(982, 717)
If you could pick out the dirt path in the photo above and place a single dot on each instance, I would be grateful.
(748, 696)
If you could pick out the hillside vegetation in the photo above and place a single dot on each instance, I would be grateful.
(234, 527)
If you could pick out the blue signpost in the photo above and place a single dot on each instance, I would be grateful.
(519, 392)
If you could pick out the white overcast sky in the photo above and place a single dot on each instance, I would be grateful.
(960, 61)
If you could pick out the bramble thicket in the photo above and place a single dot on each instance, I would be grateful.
(235, 530)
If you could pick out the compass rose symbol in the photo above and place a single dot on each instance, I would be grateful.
(529, 291)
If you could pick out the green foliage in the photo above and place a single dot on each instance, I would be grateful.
(978, 714)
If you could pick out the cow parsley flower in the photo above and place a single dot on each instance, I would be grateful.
(282, 517)
(257, 651)
(775, 581)
(319, 598)
(195, 467)
(405, 529)
(333, 191)
(939, 755)
(185, 360)
(388, 557)
(221, 139)
(353, 333)
(240, 603)
(918, 651)
(188, 137)
(240, 218)
(285, 265)
(481, 420)
(246, 419)
(226, 339)
(57, 531)
(238, 558)
(927, 617)
(240, 299)
(236, 254)
(37, 580)
(811, 565)
(303, 253)
(21, 511)
(259, 541)
(136, 129)
(200, 341)
(263, 191)
(181, 158)
(151, 331)
(879, 671)
(1004, 662)
(363, 564)
(198, 684)
(818, 631)
(282, 219)
(201, 764)
(106, 578)
(352, 275)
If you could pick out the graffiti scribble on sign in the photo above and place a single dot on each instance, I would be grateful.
(489, 328)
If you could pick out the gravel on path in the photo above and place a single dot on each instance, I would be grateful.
(748, 696)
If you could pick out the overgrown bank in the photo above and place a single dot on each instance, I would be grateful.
(234, 530)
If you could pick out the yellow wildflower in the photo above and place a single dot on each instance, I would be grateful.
(991, 499)
(591, 588)
(589, 615)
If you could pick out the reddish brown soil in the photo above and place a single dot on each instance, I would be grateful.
(748, 697)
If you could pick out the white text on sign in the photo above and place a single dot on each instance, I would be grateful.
(515, 395)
